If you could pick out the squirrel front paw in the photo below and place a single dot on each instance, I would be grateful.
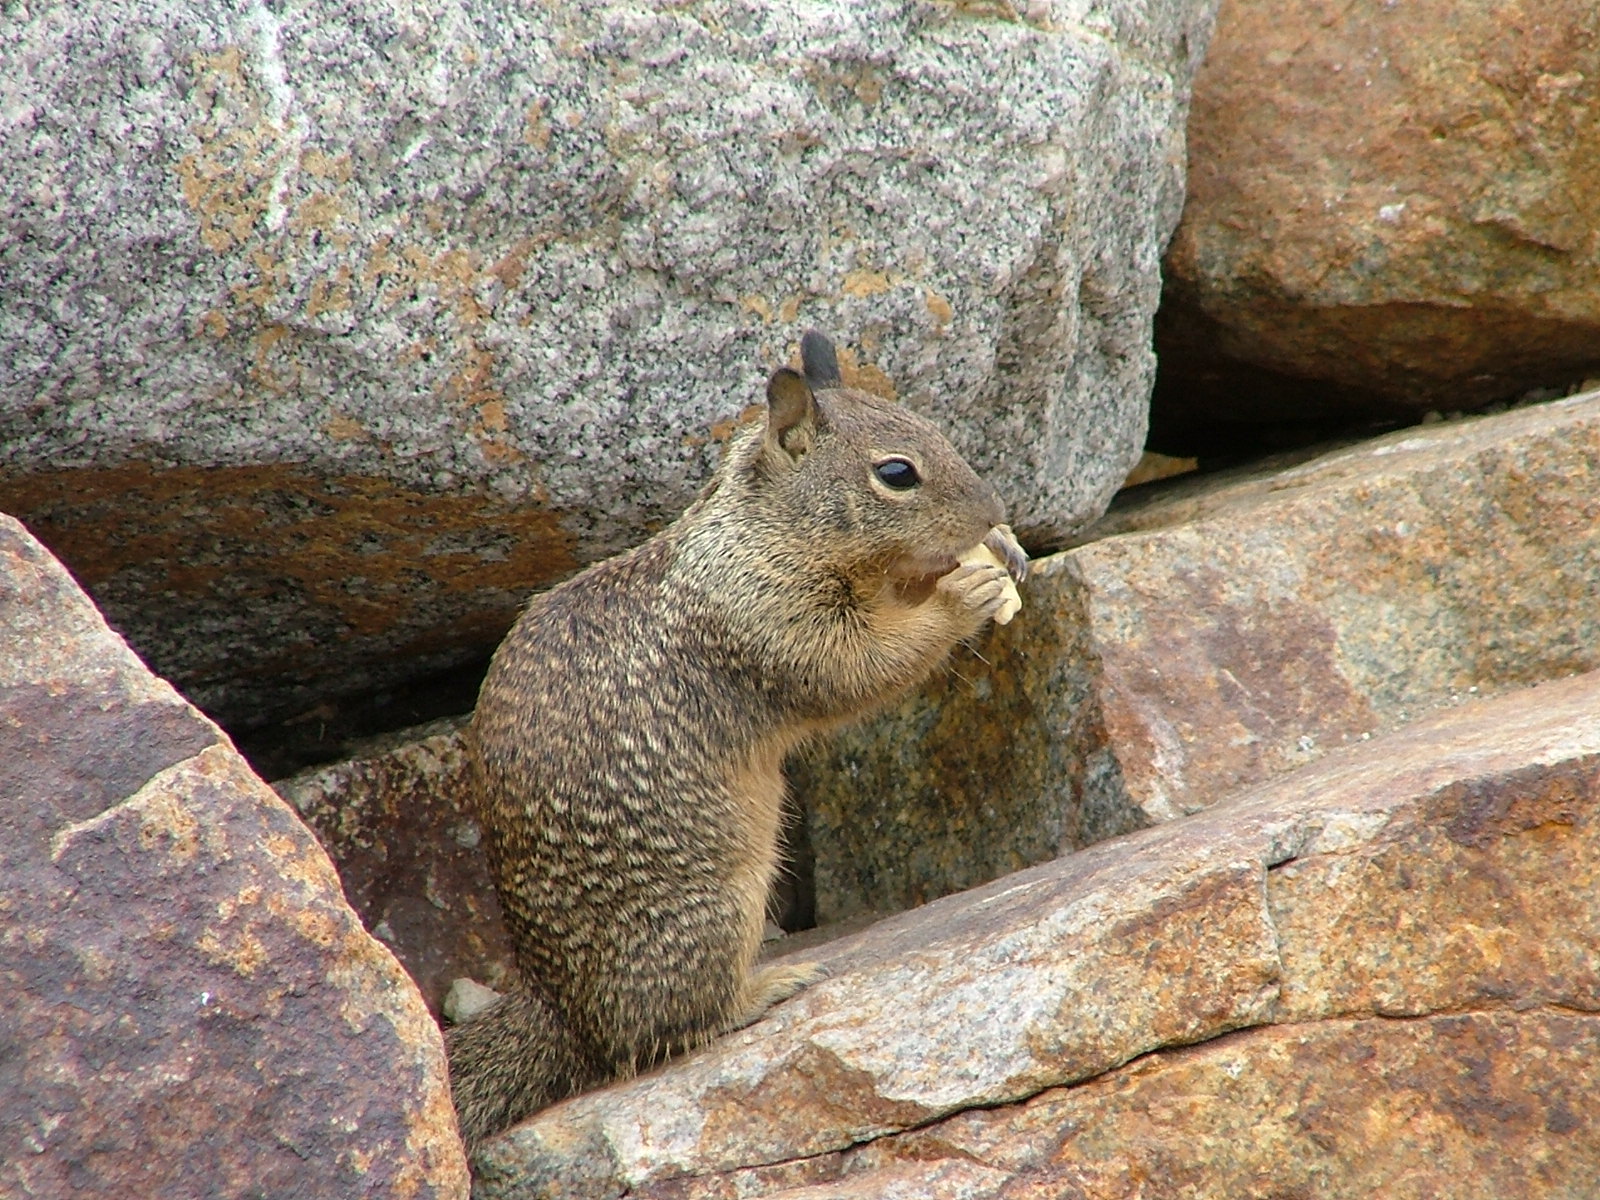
(984, 589)
(985, 582)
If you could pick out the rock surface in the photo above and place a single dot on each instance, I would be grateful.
(360, 322)
(1401, 940)
(1342, 1110)
(1392, 208)
(395, 818)
(191, 1006)
(1219, 632)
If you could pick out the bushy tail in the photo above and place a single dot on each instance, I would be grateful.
(510, 1061)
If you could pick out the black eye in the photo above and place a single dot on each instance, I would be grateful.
(897, 473)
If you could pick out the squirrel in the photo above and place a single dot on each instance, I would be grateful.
(628, 742)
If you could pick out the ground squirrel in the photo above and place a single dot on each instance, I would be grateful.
(629, 738)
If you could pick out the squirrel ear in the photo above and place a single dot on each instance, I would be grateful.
(819, 361)
(791, 413)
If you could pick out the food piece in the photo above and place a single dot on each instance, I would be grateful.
(1011, 603)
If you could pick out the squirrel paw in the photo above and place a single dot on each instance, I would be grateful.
(983, 588)
(769, 985)
(985, 582)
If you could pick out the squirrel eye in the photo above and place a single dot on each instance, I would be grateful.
(897, 473)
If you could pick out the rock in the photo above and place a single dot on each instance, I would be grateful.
(1391, 955)
(396, 819)
(465, 999)
(1391, 209)
(1337, 1109)
(1152, 467)
(1219, 632)
(191, 1005)
(362, 323)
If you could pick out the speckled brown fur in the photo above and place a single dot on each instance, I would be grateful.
(629, 738)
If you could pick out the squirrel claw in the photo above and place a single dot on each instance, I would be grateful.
(1006, 547)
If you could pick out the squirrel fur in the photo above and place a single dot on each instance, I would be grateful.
(628, 742)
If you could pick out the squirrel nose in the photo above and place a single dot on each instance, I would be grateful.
(996, 511)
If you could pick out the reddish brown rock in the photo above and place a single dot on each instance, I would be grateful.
(1448, 873)
(1391, 208)
(395, 818)
(1222, 631)
(192, 1007)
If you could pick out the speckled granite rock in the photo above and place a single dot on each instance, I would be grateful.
(395, 819)
(1401, 943)
(1392, 208)
(1219, 632)
(361, 322)
(191, 1007)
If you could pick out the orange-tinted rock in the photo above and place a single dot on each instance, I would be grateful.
(191, 1006)
(1391, 208)
(1246, 626)
(1464, 853)
(1217, 632)
(264, 590)
(396, 819)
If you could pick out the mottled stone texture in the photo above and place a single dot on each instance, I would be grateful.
(395, 817)
(191, 1007)
(1392, 208)
(1220, 632)
(1392, 957)
(336, 326)
(1491, 1104)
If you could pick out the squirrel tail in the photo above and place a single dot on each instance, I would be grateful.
(511, 1060)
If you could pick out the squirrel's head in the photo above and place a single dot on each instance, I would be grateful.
(875, 481)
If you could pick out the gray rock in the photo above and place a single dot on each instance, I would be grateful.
(467, 998)
(332, 331)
